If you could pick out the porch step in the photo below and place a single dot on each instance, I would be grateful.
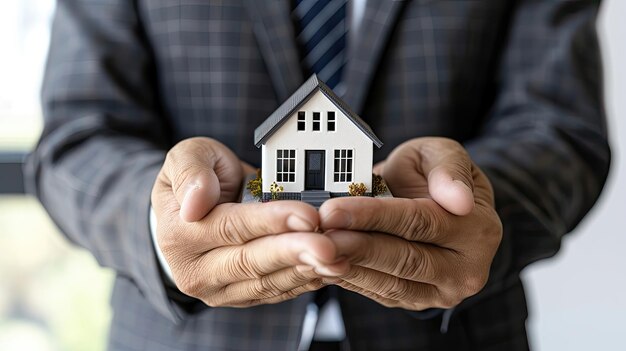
(315, 198)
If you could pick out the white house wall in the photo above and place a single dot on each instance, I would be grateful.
(346, 136)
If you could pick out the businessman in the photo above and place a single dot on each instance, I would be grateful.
(495, 147)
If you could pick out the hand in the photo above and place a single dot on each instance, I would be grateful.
(231, 254)
(433, 246)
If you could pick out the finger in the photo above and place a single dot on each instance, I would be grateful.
(247, 168)
(232, 224)
(448, 169)
(379, 168)
(202, 173)
(483, 191)
(270, 254)
(420, 220)
(314, 285)
(265, 287)
(404, 292)
(397, 257)
(413, 306)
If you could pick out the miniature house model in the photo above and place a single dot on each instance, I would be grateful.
(315, 146)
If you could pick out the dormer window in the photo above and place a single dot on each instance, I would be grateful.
(301, 121)
(316, 121)
(331, 121)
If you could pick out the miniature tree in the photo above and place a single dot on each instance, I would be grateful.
(357, 189)
(275, 189)
(256, 185)
(378, 185)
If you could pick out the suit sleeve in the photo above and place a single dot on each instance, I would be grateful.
(544, 145)
(104, 140)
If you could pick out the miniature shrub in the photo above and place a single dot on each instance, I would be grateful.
(256, 185)
(378, 185)
(357, 189)
(275, 189)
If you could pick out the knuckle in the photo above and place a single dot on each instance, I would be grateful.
(414, 264)
(412, 222)
(265, 288)
(302, 276)
(448, 300)
(473, 284)
(189, 283)
(288, 295)
(396, 290)
(245, 264)
(356, 275)
(228, 229)
(420, 225)
(213, 300)
(181, 176)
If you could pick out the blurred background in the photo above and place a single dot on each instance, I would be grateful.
(54, 296)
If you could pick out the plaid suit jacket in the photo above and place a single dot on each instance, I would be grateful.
(517, 82)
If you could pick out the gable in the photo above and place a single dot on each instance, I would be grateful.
(296, 100)
(345, 133)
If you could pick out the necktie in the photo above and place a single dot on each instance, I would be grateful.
(321, 32)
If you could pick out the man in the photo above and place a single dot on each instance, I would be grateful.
(495, 147)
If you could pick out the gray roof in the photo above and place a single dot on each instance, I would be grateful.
(297, 99)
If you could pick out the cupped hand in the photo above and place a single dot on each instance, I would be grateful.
(432, 245)
(231, 254)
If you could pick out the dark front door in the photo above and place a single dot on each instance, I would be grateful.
(314, 168)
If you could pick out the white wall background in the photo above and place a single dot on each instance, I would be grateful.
(578, 299)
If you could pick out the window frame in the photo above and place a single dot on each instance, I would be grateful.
(290, 159)
(329, 121)
(301, 121)
(343, 165)
(317, 122)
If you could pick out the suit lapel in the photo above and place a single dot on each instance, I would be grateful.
(363, 57)
(274, 30)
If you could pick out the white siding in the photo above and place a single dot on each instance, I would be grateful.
(346, 136)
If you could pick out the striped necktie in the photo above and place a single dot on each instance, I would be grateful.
(321, 32)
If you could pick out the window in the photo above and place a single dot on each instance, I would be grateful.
(301, 121)
(331, 121)
(286, 166)
(73, 277)
(316, 121)
(343, 166)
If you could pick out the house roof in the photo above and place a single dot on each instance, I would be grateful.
(297, 99)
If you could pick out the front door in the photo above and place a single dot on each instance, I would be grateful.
(314, 169)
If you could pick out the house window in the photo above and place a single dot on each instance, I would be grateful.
(316, 121)
(343, 166)
(286, 166)
(331, 121)
(301, 121)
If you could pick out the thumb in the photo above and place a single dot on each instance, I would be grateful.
(198, 169)
(448, 168)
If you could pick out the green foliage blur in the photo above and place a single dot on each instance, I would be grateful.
(53, 296)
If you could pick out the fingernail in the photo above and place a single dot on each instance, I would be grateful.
(308, 259)
(184, 206)
(299, 224)
(337, 219)
(325, 271)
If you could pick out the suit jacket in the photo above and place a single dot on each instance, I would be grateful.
(517, 82)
